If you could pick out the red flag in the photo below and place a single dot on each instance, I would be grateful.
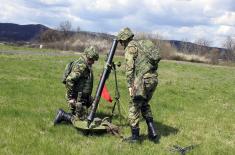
(105, 94)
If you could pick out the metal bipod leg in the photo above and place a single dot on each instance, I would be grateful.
(117, 95)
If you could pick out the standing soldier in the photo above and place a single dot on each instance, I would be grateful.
(79, 84)
(142, 81)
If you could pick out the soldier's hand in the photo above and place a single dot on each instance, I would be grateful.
(130, 91)
(72, 102)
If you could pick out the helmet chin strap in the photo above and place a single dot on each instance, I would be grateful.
(90, 62)
(125, 43)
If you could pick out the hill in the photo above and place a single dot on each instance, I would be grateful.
(195, 48)
(10, 32)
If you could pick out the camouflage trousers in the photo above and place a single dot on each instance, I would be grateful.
(78, 110)
(78, 101)
(78, 106)
(140, 105)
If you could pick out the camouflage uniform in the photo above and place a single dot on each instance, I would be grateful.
(141, 81)
(79, 84)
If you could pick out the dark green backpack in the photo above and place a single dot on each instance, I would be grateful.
(67, 71)
(149, 52)
(148, 57)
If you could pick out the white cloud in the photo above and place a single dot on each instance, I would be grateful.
(174, 19)
(226, 31)
(50, 2)
(228, 18)
(193, 33)
(12, 11)
(216, 35)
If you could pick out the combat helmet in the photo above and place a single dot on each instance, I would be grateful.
(92, 53)
(125, 34)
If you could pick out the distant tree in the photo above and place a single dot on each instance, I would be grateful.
(202, 45)
(214, 56)
(50, 36)
(65, 27)
(78, 29)
(229, 44)
(184, 46)
(158, 40)
(167, 51)
(203, 42)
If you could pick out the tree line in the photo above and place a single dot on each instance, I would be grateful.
(65, 38)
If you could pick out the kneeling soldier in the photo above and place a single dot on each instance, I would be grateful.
(79, 84)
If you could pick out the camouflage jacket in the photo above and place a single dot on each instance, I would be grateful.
(134, 71)
(80, 78)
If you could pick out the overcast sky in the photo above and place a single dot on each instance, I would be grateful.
(173, 19)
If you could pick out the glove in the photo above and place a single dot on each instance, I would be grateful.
(130, 91)
(72, 102)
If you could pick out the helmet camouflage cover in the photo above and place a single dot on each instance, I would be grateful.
(92, 53)
(125, 34)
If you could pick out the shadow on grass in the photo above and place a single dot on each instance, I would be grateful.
(97, 133)
(162, 130)
(165, 130)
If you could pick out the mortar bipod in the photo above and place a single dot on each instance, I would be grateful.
(117, 93)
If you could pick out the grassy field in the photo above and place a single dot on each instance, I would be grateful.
(193, 104)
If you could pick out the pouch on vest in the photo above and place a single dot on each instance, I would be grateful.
(67, 71)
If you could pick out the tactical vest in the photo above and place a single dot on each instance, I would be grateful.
(88, 85)
(147, 58)
(146, 61)
(85, 82)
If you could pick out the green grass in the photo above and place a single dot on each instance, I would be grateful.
(193, 104)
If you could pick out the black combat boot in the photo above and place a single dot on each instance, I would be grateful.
(62, 116)
(152, 134)
(135, 137)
